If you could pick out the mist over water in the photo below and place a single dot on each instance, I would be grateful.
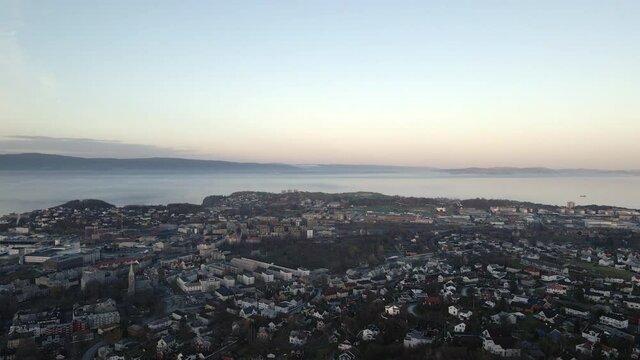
(25, 191)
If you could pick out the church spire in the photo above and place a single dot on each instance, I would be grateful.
(132, 282)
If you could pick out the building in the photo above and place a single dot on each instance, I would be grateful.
(102, 313)
(35, 323)
(557, 289)
(188, 286)
(92, 274)
(576, 312)
(615, 320)
(297, 338)
(246, 279)
(415, 338)
(392, 310)
(592, 335)
(131, 290)
(503, 345)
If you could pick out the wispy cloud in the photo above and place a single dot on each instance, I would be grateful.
(85, 147)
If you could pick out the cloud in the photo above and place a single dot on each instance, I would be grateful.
(85, 147)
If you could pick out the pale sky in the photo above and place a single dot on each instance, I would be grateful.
(434, 83)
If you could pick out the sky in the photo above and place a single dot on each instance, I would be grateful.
(428, 83)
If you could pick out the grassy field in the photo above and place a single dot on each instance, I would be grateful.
(605, 271)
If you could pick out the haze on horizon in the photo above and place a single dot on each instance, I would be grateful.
(424, 83)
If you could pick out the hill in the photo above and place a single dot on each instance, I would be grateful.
(537, 171)
(50, 162)
(86, 204)
(47, 162)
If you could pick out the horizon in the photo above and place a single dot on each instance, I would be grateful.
(491, 84)
(425, 167)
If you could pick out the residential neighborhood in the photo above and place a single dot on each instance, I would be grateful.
(298, 275)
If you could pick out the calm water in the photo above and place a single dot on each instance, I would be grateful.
(24, 191)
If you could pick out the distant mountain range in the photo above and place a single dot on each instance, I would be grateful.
(49, 162)
(497, 171)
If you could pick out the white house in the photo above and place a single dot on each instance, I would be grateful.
(165, 343)
(585, 348)
(460, 328)
(465, 315)
(392, 310)
(489, 304)
(557, 289)
(595, 297)
(470, 278)
(632, 303)
(615, 320)
(415, 338)
(504, 318)
(500, 345)
(297, 338)
(576, 312)
(492, 268)
(605, 293)
(548, 316)
(189, 286)
(246, 279)
(248, 312)
(369, 334)
(592, 336)
(551, 277)
(605, 262)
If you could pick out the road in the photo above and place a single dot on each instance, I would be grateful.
(90, 354)
(411, 309)
(211, 356)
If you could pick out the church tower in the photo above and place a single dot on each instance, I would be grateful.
(132, 282)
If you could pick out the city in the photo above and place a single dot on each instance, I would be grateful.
(319, 180)
(315, 275)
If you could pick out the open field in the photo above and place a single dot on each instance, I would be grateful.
(605, 271)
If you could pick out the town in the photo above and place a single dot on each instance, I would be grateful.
(303, 275)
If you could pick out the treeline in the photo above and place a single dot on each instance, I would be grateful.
(337, 257)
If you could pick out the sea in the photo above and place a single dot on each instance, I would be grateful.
(22, 191)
